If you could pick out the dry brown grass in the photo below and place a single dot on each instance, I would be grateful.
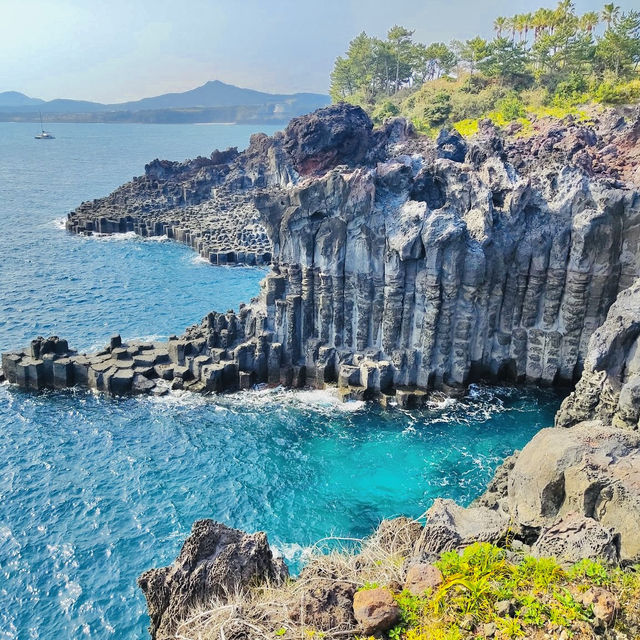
(264, 611)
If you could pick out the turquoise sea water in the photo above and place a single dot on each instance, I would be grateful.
(95, 490)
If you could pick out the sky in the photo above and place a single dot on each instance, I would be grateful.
(118, 50)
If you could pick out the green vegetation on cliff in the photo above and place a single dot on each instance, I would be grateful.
(485, 594)
(544, 63)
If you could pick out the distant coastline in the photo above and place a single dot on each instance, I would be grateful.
(212, 103)
(215, 115)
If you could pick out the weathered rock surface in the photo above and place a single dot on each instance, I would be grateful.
(215, 562)
(572, 493)
(400, 265)
(326, 605)
(603, 602)
(421, 577)
(450, 526)
(574, 537)
(590, 469)
(610, 385)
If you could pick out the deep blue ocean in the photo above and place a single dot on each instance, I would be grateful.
(95, 490)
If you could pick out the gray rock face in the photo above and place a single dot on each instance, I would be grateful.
(572, 493)
(574, 538)
(400, 265)
(591, 470)
(454, 526)
(610, 385)
(215, 562)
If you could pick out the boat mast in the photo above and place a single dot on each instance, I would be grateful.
(41, 125)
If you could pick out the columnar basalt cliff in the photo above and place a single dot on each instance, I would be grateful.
(399, 265)
(202, 203)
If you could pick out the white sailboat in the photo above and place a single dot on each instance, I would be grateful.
(44, 135)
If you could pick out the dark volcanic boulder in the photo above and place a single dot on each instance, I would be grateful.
(215, 562)
(451, 145)
(339, 134)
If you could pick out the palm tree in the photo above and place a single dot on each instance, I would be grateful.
(510, 25)
(499, 25)
(551, 19)
(526, 24)
(610, 14)
(538, 22)
(589, 21)
(565, 7)
(518, 24)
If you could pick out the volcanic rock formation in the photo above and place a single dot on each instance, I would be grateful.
(610, 385)
(401, 265)
(398, 264)
(215, 562)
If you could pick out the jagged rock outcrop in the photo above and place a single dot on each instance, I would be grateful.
(610, 385)
(401, 265)
(570, 492)
(215, 563)
(450, 526)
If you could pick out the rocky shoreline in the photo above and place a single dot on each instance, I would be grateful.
(201, 203)
(401, 266)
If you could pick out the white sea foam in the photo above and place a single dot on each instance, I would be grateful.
(59, 223)
(70, 594)
(176, 398)
(128, 236)
(441, 405)
(154, 337)
(292, 552)
(326, 400)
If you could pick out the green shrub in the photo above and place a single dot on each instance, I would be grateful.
(623, 93)
(369, 586)
(573, 90)
(512, 108)
(437, 112)
(474, 84)
(466, 105)
(590, 570)
(385, 110)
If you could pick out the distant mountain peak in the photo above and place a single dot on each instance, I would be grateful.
(17, 99)
(213, 94)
